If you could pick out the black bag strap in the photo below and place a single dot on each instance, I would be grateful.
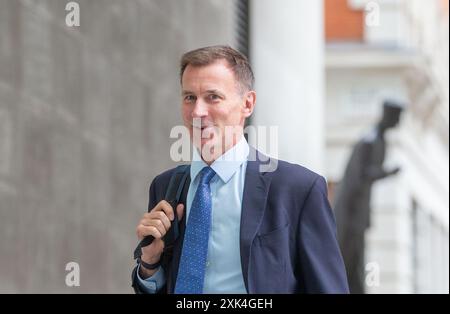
(176, 193)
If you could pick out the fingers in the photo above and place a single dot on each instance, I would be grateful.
(157, 215)
(153, 231)
(166, 208)
(158, 221)
(143, 231)
(155, 227)
(158, 224)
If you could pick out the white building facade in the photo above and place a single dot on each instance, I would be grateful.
(403, 55)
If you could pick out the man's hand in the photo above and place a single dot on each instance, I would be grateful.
(156, 223)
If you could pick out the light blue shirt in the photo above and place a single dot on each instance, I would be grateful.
(223, 267)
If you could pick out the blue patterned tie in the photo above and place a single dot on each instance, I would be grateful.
(191, 272)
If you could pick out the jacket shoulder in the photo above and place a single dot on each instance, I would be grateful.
(295, 175)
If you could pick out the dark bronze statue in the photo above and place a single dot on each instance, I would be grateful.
(352, 201)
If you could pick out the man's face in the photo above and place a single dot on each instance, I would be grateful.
(211, 95)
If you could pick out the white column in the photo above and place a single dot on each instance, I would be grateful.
(287, 54)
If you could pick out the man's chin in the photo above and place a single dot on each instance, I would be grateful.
(205, 144)
(207, 148)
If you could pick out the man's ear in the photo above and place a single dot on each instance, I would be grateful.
(249, 103)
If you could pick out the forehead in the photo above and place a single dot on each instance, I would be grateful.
(215, 75)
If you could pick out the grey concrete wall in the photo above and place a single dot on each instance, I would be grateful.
(85, 116)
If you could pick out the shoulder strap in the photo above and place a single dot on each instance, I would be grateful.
(179, 183)
(176, 193)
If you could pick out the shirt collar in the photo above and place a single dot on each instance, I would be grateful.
(225, 165)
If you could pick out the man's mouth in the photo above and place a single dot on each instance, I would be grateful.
(205, 131)
(203, 127)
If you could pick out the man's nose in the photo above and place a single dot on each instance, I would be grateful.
(200, 109)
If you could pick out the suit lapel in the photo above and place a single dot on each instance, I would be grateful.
(254, 202)
(256, 189)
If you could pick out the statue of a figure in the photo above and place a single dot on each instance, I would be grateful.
(352, 201)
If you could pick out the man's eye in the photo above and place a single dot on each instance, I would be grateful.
(189, 98)
(213, 97)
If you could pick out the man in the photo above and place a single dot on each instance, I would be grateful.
(243, 230)
(352, 203)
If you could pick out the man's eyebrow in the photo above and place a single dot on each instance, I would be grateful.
(187, 92)
(209, 91)
(215, 91)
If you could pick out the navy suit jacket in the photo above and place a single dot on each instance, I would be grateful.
(287, 233)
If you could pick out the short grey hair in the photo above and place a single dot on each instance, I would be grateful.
(237, 62)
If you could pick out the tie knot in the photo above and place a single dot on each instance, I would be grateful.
(206, 175)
